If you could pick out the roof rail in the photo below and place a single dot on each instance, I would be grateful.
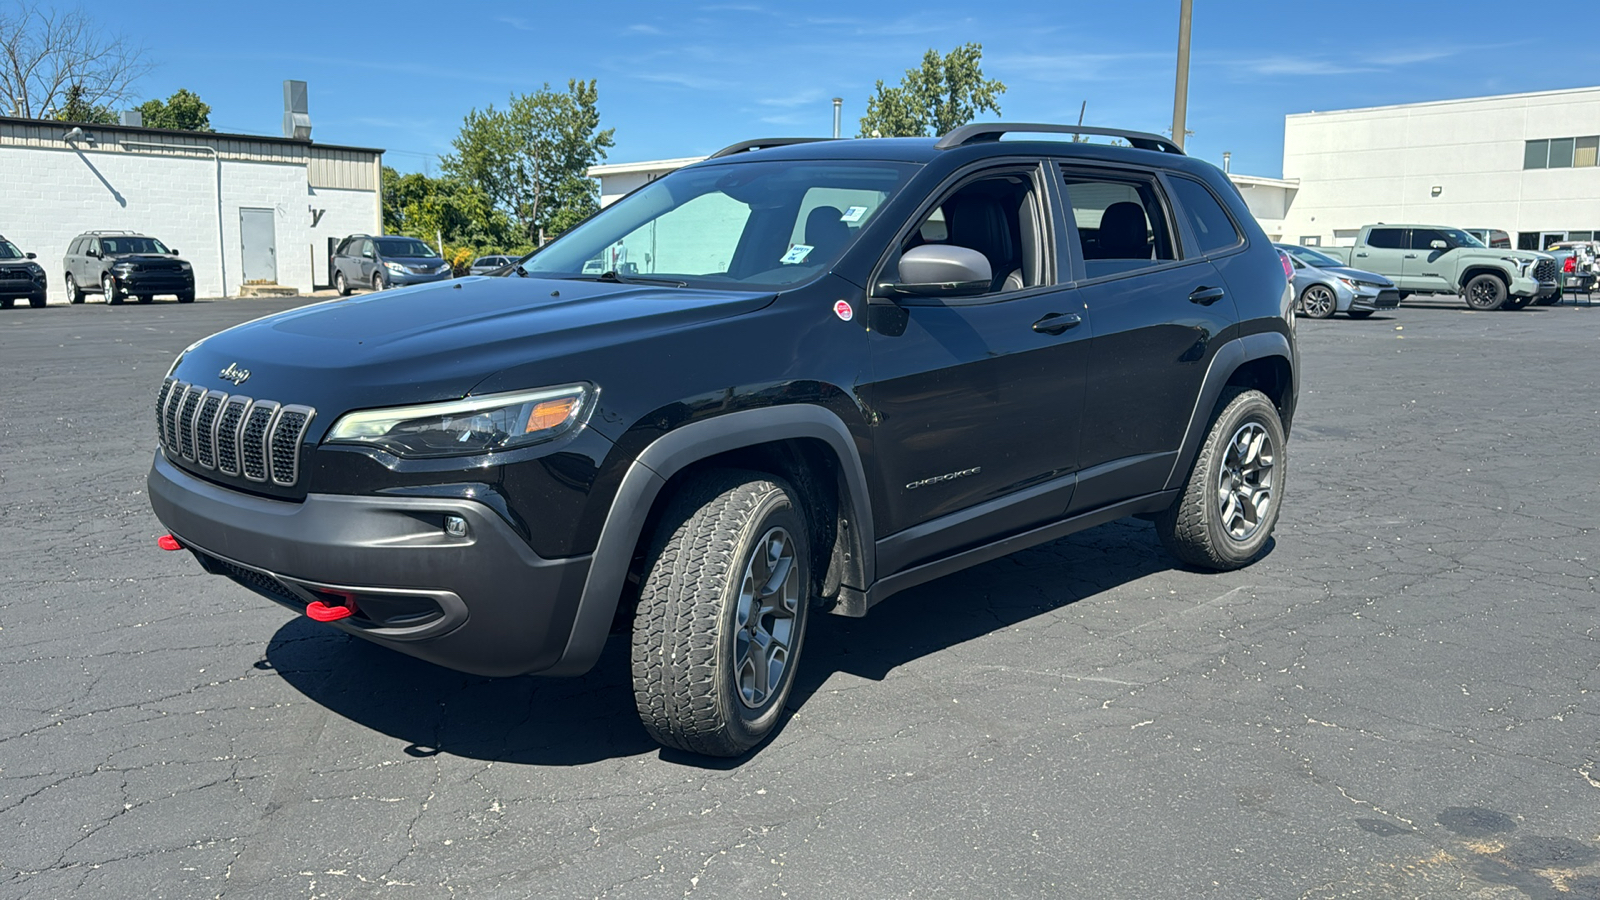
(973, 134)
(762, 144)
(112, 231)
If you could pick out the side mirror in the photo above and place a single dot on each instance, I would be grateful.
(92, 251)
(941, 270)
(173, 252)
(1439, 245)
(31, 255)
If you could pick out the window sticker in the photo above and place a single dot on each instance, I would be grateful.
(853, 214)
(797, 254)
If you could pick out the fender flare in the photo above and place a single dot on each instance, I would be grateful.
(1228, 359)
(664, 458)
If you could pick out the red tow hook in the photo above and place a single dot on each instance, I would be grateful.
(168, 542)
(321, 612)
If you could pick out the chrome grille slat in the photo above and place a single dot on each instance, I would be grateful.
(253, 439)
(228, 422)
(161, 410)
(287, 432)
(186, 413)
(205, 429)
(170, 414)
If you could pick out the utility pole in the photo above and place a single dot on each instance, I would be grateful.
(1180, 99)
(838, 102)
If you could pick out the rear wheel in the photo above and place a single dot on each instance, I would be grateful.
(722, 613)
(1229, 505)
(1485, 292)
(74, 295)
(1318, 301)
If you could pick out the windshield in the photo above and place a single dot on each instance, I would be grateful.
(118, 246)
(1313, 258)
(768, 224)
(403, 248)
(9, 250)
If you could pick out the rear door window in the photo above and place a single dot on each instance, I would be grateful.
(1387, 238)
(1121, 221)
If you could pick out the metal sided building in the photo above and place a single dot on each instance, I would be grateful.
(1522, 163)
(243, 209)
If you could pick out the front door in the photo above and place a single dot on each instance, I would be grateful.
(1430, 268)
(259, 246)
(976, 400)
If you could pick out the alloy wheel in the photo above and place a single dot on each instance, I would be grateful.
(769, 601)
(1244, 483)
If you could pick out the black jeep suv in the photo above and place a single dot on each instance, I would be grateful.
(120, 264)
(780, 380)
(20, 277)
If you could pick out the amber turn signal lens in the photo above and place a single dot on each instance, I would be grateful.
(549, 414)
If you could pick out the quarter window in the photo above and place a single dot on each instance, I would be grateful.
(1212, 228)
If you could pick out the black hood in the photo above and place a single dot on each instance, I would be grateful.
(438, 341)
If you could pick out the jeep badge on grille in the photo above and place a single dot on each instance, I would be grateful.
(234, 374)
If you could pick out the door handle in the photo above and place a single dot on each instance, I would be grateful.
(1410, 256)
(1056, 323)
(1206, 296)
(1362, 255)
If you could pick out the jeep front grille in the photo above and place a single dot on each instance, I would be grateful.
(234, 435)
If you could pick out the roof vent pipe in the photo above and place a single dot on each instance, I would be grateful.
(296, 114)
(1227, 160)
(837, 103)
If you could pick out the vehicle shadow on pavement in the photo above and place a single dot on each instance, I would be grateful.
(572, 721)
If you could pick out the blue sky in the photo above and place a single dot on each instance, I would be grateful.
(682, 79)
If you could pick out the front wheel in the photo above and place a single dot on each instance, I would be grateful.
(1318, 302)
(340, 285)
(186, 297)
(1229, 505)
(377, 281)
(722, 612)
(1485, 292)
(108, 287)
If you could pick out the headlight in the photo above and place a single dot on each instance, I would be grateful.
(1350, 283)
(465, 427)
(125, 266)
(395, 268)
(183, 266)
(445, 268)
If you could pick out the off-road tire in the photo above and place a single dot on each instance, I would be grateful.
(340, 285)
(1485, 292)
(1359, 313)
(687, 628)
(1192, 528)
(74, 293)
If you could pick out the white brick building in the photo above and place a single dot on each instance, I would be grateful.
(192, 191)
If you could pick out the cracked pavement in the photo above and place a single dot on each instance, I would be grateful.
(1398, 701)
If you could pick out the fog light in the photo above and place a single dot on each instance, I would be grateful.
(455, 526)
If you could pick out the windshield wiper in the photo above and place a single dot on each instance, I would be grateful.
(614, 278)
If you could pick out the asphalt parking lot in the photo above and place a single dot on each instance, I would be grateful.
(1398, 701)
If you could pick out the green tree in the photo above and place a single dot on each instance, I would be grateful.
(426, 207)
(944, 93)
(530, 158)
(76, 108)
(183, 111)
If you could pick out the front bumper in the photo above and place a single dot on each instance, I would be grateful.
(155, 282)
(482, 603)
(1532, 287)
(399, 279)
(1374, 298)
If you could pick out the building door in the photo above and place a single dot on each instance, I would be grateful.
(259, 245)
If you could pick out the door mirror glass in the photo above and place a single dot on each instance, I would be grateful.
(942, 270)
(92, 251)
(173, 252)
(32, 255)
(1439, 245)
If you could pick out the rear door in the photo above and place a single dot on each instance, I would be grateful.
(1384, 252)
(1156, 314)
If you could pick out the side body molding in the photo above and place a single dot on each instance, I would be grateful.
(664, 458)
(1227, 360)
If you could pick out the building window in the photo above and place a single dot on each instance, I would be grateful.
(1311, 240)
(1583, 155)
(1561, 153)
(1536, 155)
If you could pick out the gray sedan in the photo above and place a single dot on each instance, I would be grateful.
(1325, 285)
(483, 265)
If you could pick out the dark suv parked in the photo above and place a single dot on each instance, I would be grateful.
(20, 277)
(362, 260)
(804, 377)
(118, 264)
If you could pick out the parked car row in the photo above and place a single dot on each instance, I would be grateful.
(114, 264)
(1324, 286)
(20, 277)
